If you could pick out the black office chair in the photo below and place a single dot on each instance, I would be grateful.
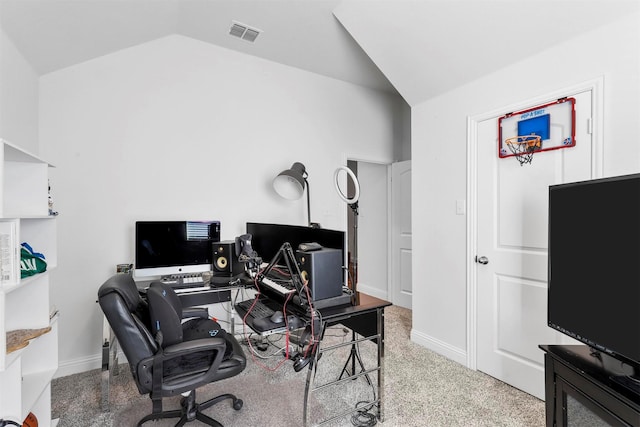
(171, 357)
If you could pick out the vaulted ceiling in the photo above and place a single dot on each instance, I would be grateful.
(419, 48)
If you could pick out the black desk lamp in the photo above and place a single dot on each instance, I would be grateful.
(290, 184)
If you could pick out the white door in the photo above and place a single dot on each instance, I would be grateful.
(373, 230)
(401, 284)
(512, 235)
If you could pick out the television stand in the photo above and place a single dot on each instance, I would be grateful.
(579, 389)
(627, 381)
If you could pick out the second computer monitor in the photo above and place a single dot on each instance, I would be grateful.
(268, 238)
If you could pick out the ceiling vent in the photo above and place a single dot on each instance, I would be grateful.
(244, 32)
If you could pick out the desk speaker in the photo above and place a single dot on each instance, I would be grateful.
(323, 270)
(225, 260)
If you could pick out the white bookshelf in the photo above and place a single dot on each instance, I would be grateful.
(26, 373)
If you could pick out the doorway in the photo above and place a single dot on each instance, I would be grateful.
(367, 231)
(379, 230)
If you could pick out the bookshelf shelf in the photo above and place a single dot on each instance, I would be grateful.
(26, 373)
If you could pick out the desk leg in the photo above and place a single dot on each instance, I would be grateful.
(380, 319)
(109, 362)
(232, 311)
(311, 375)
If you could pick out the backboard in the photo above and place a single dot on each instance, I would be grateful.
(554, 123)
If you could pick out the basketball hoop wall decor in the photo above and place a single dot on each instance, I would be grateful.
(546, 127)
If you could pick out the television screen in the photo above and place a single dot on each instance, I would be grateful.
(594, 263)
(174, 247)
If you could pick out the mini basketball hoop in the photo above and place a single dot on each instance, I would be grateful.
(523, 147)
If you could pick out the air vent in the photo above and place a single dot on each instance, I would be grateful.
(244, 32)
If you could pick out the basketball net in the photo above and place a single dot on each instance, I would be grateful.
(523, 147)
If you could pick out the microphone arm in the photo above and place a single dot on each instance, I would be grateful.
(286, 253)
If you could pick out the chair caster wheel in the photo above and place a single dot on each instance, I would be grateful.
(237, 404)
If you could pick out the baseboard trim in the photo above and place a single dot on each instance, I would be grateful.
(79, 365)
(450, 352)
(369, 290)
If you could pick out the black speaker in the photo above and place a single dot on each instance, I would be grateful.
(225, 260)
(323, 269)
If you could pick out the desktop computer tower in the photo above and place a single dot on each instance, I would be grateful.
(323, 269)
(225, 261)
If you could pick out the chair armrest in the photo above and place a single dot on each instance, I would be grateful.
(193, 346)
(199, 312)
(162, 386)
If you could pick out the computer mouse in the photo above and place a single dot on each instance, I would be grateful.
(277, 317)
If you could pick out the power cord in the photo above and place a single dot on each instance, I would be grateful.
(364, 418)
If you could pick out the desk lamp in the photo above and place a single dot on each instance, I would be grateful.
(290, 184)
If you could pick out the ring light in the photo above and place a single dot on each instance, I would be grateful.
(356, 184)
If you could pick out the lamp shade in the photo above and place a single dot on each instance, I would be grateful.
(290, 183)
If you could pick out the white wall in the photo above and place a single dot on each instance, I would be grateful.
(439, 160)
(177, 128)
(18, 97)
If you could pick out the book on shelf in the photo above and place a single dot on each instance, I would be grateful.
(8, 253)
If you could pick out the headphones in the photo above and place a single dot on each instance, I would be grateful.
(307, 339)
(243, 245)
(300, 359)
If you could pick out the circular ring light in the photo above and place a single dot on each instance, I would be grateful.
(356, 184)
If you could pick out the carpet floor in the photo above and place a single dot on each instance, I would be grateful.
(421, 388)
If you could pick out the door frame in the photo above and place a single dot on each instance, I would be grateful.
(395, 280)
(346, 157)
(596, 86)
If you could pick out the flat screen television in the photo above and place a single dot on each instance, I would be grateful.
(266, 239)
(594, 265)
(166, 248)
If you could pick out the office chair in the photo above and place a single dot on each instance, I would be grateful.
(174, 361)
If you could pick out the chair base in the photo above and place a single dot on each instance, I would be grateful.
(191, 410)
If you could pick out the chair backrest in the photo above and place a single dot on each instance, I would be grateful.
(165, 313)
(128, 315)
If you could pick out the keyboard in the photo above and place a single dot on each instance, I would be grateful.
(182, 282)
(283, 288)
(184, 290)
(259, 310)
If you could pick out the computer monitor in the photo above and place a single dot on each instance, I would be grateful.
(165, 248)
(266, 239)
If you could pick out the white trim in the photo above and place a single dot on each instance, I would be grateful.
(84, 364)
(454, 353)
(596, 86)
(472, 192)
(366, 289)
(363, 287)
(77, 366)
(390, 265)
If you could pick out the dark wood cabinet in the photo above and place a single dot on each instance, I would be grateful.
(580, 392)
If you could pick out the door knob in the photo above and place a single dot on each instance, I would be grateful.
(482, 260)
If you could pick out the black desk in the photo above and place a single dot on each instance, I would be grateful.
(579, 390)
(365, 319)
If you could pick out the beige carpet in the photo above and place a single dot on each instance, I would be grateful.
(421, 389)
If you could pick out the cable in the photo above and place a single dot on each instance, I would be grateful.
(364, 418)
(254, 354)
